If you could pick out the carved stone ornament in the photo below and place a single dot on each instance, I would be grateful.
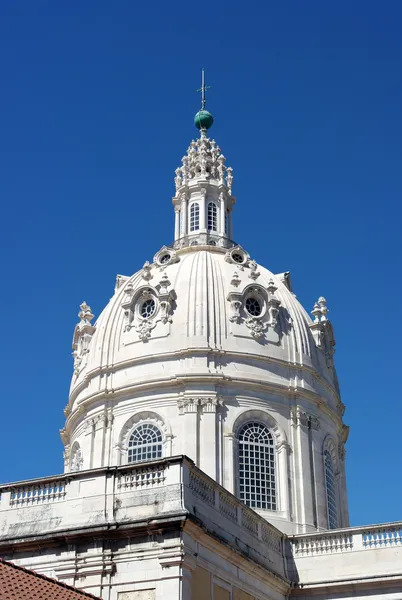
(235, 281)
(82, 336)
(236, 301)
(256, 326)
(146, 271)
(144, 329)
(165, 256)
(207, 404)
(164, 298)
(76, 459)
(302, 418)
(254, 273)
(322, 331)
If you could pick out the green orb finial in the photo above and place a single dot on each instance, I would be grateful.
(203, 119)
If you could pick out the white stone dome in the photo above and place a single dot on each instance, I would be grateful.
(205, 344)
(203, 284)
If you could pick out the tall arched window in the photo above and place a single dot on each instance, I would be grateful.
(194, 217)
(145, 443)
(212, 217)
(330, 487)
(256, 463)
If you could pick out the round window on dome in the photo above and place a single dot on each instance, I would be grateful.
(238, 257)
(253, 306)
(148, 308)
(165, 258)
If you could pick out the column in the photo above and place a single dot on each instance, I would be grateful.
(208, 447)
(202, 202)
(282, 453)
(188, 408)
(223, 214)
(304, 477)
(230, 228)
(176, 223)
(228, 474)
(184, 225)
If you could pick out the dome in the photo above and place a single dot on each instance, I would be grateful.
(205, 353)
(232, 317)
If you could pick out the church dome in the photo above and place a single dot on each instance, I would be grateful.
(203, 350)
(201, 301)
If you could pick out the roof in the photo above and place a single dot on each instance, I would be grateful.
(18, 583)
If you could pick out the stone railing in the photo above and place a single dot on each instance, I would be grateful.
(141, 477)
(203, 239)
(230, 507)
(348, 540)
(38, 494)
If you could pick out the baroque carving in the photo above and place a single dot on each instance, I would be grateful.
(82, 336)
(323, 332)
(190, 404)
(256, 326)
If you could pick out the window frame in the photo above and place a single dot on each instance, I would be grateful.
(269, 492)
(212, 217)
(331, 490)
(194, 217)
(159, 442)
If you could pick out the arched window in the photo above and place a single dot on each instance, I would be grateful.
(212, 217)
(145, 443)
(256, 463)
(194, 217)
(330, 487)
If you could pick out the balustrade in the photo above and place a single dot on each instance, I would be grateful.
(38, 494)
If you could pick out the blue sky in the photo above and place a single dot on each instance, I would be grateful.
(96, 112)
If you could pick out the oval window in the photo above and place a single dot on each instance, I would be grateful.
(164, 258)
(253, 306)
(148, 308)
(237, 257)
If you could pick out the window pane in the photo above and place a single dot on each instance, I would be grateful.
(212, 217)
(194, 217)
(145, 443)
(256, 463)
(331, 490)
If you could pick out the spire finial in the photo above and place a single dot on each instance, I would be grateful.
(203, 120)
(203, 89)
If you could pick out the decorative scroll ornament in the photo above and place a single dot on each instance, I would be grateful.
(82, 336)
(236, 301)
(166, 298)
(163, 297)
(256, 326)
(273, 303)
(144, 329)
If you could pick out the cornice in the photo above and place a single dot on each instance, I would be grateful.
(111, 369)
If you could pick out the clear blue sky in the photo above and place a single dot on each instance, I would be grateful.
(96, 112)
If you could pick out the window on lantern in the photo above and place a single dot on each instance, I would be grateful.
(145, 443)
(194, 217)
(227, 222)
(212, 217)
(256, 464)
(330, 487)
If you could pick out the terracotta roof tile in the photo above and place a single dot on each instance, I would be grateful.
(18, 583)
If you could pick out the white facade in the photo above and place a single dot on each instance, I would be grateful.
(201, 365)
(202, 354)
